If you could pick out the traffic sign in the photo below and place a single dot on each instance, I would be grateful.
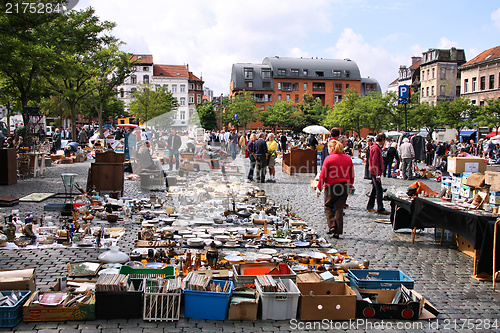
(404, 92)
(404, 101)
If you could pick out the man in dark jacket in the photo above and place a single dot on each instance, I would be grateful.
(260, 154)
(312, 141)
(174, 142)
(334, 135)
(376, 170)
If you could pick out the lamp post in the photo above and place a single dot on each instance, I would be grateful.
(220, 109)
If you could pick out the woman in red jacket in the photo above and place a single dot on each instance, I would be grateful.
(337, 177)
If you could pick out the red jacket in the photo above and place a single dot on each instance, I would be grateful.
(376, 161)
(337, 168)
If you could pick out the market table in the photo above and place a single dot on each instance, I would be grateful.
(477, 228)
(401, 213)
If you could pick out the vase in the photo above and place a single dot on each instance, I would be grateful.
(114, 255)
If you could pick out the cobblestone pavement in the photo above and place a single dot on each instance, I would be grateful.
(441, 273)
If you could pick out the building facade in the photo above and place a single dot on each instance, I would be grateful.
(439, 75)
(184, 86)
(480, 77)
(288, 79)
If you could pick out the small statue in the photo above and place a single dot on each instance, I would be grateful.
(28, 230)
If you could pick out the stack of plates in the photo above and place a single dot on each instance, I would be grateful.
(196, 242)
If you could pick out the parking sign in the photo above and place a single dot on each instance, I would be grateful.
(404, 91)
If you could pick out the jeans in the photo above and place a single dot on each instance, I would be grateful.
(377, 193)
(171, 154)
(388, 167)
(406, 168)
(261, 167)
(234, 150)
(252, 166)
(335, 199)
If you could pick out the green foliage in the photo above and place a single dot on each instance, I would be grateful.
(150, 103)
(242, 105)
(311, 112)
(205, 115)
(489, 114)
(457, 114)
(281, 113)
(346, 114)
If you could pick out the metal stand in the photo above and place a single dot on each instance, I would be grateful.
(68, 182)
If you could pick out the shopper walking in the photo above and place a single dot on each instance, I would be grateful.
(251, 155)
(391, 156)
(56, 140)
(260, 154)
(174, 142)
(336, 177)
(407, 154)
(376, 170)
(233, 139)
(272, 147)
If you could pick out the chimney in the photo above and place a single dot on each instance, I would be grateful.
(415, 59)
(453, 53)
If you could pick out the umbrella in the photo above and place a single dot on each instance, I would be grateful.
(316, 129)
(127, 125)
(492, 134)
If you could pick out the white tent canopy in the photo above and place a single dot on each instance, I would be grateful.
(315, 129)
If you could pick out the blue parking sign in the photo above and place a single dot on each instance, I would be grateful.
(404, 91)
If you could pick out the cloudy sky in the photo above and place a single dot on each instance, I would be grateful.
(378, 35)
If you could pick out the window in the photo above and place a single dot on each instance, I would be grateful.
(443, 73)
(157, 87)
(337, 87)
(320, 73)
(371, 87)
(265, 73)
(191, 111)
(427, 74)
(266, 85)
(432, 90)
(481, 103)
(294, 72)
(337, 98)
(248, 84)
(248, 73)
(318, 86)
(133, 90)
(133, 79)
(305, 72)
(288, 97)
(198, 86)
(183, 114)
(466, 85)
(279, 97)
(122, 93)
(336, 73)
(427, 91)
(441, 90)
(198, 99)
(347, 74)
(347, 86)
(281, 72)
(175, 115)
(305, 86)
(146, 69)
(174, 88)
(183, 87)
(145, 79)
(474, 83)
(296, 98)
(182, 101)
(287, 86)
(423, 92)
(191, 86)
(262, 108)
(483, 82)
(191, 99)
(492, 82)
(433, 73)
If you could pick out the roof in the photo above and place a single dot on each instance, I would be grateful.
(416, 64)
(395, 82)
(193, 77)
(490, 54)
(170, 70)
(142, 58)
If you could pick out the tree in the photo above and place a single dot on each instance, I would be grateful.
(239, 109)
(457, 114)
(312, 112)
(281, 113)
(55, 106)
(489, 114)
(424, 115)
(205, 113)
(346, 114)
(150, 103)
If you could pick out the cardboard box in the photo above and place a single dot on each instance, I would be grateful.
(492, 178)
(37, 312)
(466, 191)
(383, 309)
(18, 279)
(466, 164)
(325, 300)
(314, 277)
(244, 310)
(494, 198)
(476, 180)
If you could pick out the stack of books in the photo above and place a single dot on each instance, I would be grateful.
(269, 284)
(112, 282)
(202, 282)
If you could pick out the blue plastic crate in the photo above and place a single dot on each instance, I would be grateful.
(10, 316)
(207, 304)
(379, 279)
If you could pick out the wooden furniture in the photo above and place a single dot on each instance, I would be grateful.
(8, 166)
(300, 161)
(107, 172)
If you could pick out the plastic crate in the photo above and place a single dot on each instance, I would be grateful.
(244, 274)
(379, 279)
(120, 304)
(161, 306)
(277, 305)
(10, 316)
(167, 272)
(207, 304)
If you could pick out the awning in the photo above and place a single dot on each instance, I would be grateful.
(467, 133)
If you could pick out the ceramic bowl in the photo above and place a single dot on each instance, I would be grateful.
(112, 218)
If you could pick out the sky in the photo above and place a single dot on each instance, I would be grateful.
(380, 36)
